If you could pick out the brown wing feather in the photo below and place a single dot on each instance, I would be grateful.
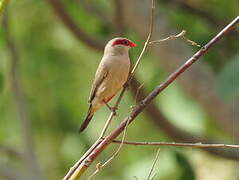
(100, 75)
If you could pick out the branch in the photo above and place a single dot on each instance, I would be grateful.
(20, 102)
(172, 131)
(172, 37)
(62, 14)
(96, 150)
(192, 145)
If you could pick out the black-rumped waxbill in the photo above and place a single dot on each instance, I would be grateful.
(111, 75)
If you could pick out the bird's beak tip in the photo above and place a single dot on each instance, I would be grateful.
(132, 44)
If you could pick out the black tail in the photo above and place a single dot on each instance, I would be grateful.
(87, 120)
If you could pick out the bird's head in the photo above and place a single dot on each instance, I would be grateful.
(119, 45)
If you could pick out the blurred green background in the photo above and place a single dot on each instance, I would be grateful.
(54, 70)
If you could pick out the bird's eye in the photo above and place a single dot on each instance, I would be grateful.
(125, 42)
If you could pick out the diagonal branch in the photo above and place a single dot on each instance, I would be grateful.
(85, 162)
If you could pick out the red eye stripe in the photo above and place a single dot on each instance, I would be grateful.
(123, 42)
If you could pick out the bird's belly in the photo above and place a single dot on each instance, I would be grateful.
(113, 83)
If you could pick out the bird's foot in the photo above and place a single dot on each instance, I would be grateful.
(112, 109)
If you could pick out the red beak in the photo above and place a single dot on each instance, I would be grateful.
(131, 44)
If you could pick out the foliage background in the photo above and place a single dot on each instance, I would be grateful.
(56, 70)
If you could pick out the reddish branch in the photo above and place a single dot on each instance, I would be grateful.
(99, 146)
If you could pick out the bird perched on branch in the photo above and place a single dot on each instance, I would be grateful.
(111, 75)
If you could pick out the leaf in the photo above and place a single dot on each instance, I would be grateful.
(228, 80)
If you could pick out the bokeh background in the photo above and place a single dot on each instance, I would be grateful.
(49, 51)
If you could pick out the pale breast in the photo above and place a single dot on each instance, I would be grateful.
(118, 70)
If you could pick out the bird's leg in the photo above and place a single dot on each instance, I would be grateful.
(112, 109)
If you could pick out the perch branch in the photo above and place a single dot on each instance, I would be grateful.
(85, 162)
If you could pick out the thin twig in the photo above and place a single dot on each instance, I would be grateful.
(146, 42)
(172, 37)
(80, 168)
(152, 168)
(137, 92)
(193, 145)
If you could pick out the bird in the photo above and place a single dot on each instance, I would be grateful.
(111, 74)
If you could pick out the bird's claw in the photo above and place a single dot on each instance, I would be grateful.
(112, 109)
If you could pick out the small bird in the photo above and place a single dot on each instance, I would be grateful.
(111, 75)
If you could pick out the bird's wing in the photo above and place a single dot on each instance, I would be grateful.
(100, 75)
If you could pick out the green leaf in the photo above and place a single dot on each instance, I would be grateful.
(228, 80)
